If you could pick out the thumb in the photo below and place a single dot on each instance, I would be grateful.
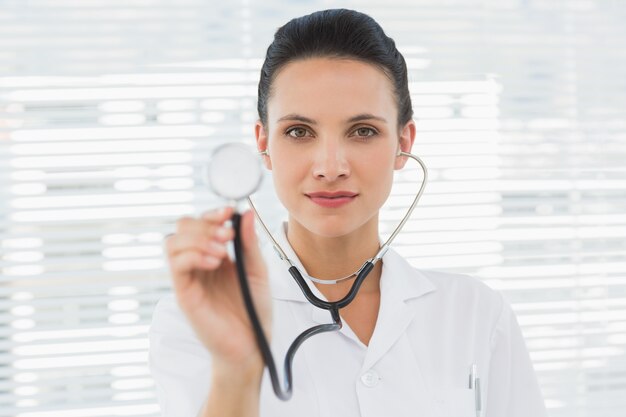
(252, 251)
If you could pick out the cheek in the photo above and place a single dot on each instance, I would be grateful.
(286, 168)
(281, 187)
(287, 174)
(386, 182)
(380, 177)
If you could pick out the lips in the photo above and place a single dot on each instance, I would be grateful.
(333, 199)
(335, 194)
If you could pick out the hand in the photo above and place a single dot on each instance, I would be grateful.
(207, 288)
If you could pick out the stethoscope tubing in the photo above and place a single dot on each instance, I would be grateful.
(285, 392)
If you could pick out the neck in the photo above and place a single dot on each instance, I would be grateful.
(330, 258)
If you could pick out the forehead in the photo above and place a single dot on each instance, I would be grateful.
(331, 88)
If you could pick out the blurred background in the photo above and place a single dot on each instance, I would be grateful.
(110, 108)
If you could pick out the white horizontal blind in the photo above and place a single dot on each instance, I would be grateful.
(108, 109)
(100, 151)
(522, 108)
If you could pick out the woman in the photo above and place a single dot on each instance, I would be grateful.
(334, 113)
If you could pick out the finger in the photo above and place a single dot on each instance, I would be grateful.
(218, 215)
(180, 243)
(211, 229)
(224, 234)
(184, 263)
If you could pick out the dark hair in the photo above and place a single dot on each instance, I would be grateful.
(336, 33)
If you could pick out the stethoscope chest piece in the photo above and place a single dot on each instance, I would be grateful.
(234, 171)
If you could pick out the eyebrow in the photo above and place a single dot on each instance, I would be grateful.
(357, 118)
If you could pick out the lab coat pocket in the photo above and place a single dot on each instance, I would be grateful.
(455, 402)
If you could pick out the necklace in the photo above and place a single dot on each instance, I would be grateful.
(338, 280)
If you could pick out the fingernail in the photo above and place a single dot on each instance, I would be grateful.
(216, 247)
(218, 212)
(222, 232)
(212, 260)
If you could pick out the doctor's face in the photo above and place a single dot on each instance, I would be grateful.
(332, 138)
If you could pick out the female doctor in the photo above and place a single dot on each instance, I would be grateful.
(334, 113)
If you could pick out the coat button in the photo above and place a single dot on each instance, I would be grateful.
(370, 378)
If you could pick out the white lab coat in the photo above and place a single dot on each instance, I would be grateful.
(431, 327)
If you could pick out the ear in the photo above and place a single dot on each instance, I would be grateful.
(405, 144)
(262, 143)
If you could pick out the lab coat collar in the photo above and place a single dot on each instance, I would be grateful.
(399, 280)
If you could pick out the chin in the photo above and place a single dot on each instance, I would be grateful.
(333, 225)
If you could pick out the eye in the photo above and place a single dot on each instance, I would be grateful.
(296, 132)
(365, 132)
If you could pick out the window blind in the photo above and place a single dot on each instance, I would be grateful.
(109, 109)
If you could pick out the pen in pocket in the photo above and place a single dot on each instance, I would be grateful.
(474, 383)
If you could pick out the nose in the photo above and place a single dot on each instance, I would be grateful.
(331, 162)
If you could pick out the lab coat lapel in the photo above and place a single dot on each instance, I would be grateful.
(283, 286)
(399, 283)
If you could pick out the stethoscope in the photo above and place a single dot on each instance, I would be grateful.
(234, 173)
